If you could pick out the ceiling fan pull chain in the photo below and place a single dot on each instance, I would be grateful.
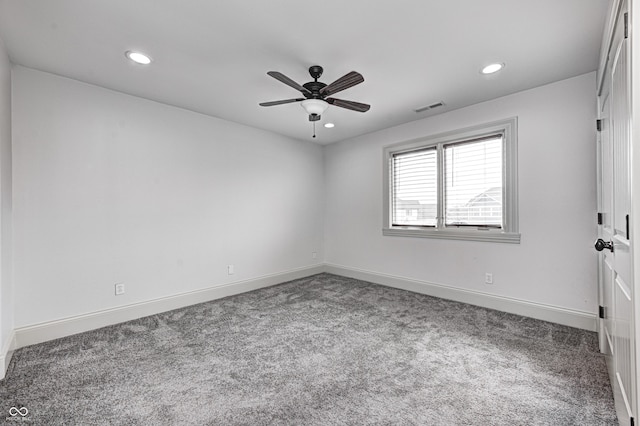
(314, 129)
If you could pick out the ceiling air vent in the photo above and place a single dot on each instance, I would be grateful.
(429, 107)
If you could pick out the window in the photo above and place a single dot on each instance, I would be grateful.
(458, 185)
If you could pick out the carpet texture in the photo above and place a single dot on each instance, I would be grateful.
(323, 350)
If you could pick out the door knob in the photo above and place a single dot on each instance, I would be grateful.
(601, 245)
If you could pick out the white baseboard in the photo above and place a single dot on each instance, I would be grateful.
(558, 315)
(6, 352)
(38, 333)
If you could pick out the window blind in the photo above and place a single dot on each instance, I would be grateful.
(473, 182)
(415, 188)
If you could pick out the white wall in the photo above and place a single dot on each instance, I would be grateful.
(555, 264)
(6, 285)
(112, 188)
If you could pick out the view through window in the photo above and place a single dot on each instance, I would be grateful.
(472, 189)
(473, 176)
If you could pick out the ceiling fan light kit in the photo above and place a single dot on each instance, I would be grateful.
(314, 107)
(316, 100)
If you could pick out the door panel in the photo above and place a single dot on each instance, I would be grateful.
(622, 346)
(608, 305)
(607, 165)
(623, 307)
(615, 278)
(620, 132)
(605, 231)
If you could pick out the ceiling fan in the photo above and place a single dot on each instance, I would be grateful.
(315, 100)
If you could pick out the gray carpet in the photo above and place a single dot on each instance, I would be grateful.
(323, 350)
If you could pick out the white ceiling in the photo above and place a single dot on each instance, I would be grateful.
(212, 56)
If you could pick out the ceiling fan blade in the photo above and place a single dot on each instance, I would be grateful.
(344, 82)
(285, 101)
(286, 80)
(355, 106)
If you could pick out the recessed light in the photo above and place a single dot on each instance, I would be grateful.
(138, 58)
(490, 69)
(329, 125)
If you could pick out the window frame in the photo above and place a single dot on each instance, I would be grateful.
(509, 233)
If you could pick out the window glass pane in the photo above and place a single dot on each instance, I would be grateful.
(473, 183)
(415, 188)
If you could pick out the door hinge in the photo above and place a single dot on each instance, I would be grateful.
(627, 219)
(626, 25)
(599, 125)
(601, 311)
(599, 218)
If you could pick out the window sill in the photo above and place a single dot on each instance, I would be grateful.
(492, 236)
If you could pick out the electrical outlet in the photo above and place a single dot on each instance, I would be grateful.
(119, 289)
(314, 255)
(230, 270)
(488, 278)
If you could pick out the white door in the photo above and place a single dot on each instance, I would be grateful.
(615, 271)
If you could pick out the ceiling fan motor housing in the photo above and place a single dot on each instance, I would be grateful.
(313, 87)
